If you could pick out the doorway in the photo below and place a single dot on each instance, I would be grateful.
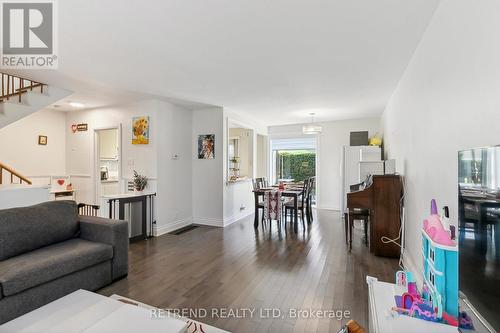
(108, 166)
(293, 159)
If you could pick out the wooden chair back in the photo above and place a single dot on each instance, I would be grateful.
(306, 191)
(312, 186)
(259, 183)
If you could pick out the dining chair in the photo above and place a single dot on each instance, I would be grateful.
(302, 204)
(264, 182)
(258, 183)
(272, 208)
(310, 196)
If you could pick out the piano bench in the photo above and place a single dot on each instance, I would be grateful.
(355, 214)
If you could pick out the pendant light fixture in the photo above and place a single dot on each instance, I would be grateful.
(311, 128)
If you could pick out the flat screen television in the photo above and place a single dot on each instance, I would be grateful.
(479, 236)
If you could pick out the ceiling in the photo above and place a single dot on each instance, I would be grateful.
(276, 61)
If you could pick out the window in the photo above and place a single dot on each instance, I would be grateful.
(431, 278)
(431, 254)
(293, 159)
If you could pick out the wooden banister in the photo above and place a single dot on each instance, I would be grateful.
(11, 89)
(13, 174)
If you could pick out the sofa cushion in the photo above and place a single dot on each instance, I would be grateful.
(51, 262)
(28, 228)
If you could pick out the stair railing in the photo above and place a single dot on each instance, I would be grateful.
(15, 86)
(13, 175)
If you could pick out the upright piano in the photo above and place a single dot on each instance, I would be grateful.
(381, 195)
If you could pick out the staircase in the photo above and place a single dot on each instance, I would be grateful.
(21, 97)
(15, 177)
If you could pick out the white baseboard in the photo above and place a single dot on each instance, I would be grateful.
(236, 217)
(169, 227)
(213, 222)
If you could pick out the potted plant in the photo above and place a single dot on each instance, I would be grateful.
(140, 182)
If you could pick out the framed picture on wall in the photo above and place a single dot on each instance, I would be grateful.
(140, 130)
(42, 140)
(206, 146)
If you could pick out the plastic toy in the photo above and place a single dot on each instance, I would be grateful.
(403, 278)
(465, 321)
(435, 230)
(438, 301)
(440, 265)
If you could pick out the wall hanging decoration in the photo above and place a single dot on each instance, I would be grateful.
(82, 127)
(206, 146)
(42, 140)
(74, 128)
(140, 130)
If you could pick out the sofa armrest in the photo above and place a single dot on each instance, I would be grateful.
(112, 232)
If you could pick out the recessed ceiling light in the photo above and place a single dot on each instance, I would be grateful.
(76, 104)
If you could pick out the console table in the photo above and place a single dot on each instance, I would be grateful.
(146, 199)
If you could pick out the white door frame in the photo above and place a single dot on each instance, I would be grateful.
(292, 136)
(97, 171)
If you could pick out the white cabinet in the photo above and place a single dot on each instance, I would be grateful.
(357, 162)
(370, 168)
(108, 147)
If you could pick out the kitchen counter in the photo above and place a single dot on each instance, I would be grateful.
(111, 180)
(239, 180)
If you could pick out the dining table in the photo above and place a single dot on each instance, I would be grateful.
(291, 192)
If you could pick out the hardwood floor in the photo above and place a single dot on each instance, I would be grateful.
(236, 267)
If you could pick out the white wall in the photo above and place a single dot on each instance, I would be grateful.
(447, 100)
(189, 190)
(207, 175)
(174, 174)
(334, 136)
(170, 133)
(238, 197)
(262, 156)
(80, 145)
(19, 147)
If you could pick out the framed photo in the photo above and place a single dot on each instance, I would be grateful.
(206, 146)
(140, 130)
(42, 140)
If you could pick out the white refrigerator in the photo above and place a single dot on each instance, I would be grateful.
(357, 163)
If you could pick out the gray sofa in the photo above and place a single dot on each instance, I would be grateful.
(48, 251)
